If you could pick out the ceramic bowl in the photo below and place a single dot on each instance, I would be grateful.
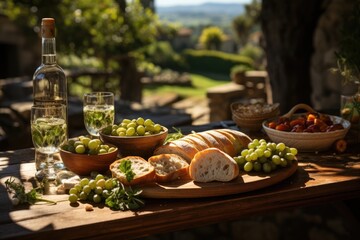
(142, 146)
(306, 141)
(251, 116)
(84, 164)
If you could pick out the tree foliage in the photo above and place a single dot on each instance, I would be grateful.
(246, 23)
(108, 29)
(211, 38)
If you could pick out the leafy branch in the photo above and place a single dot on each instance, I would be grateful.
(123, 199)
(22, 197)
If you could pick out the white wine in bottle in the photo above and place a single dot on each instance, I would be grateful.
(49, 83)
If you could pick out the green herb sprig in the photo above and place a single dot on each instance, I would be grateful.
(125, 167)
(174, 136)
(123, 199)
(22, 197)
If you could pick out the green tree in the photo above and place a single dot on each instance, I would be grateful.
(111, 30)
(211, 38)
(246, 23)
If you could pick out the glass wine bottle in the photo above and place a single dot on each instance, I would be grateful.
(49, 80)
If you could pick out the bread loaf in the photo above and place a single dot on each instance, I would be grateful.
(213, 164)
(169, 167)
(143, 170)
(227, 140)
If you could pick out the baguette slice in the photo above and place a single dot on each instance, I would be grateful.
(213, 164)
(169, 167)
(144, 171)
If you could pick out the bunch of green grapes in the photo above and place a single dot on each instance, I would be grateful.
(265, 156)
(134, 127)
(93, 190)
(85, 145)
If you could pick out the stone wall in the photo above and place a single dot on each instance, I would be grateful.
(327, 86)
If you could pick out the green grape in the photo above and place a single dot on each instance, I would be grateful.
(96, 198)
(267, 153)
(157, 128)
(109, 184)
(253, 156)
(255, 142)
(101, 183)
(283, 162)
(294, 151)
(280, 147)
(248, 166)
(78, 187)
(83, 196)
(98, 190)
(86, 189)
(84, 181)
(240, 160)
(111, 149)
(266, 167)
(140, 121)
(140, 130)
(289, 156)
(80, 149)
(102, 151)
(126, 121)
(259, 152)
(263, 159)
(99, 176)
(73, 191)
(73, 198)
(130, 131)
(257, 166)
(248, 158)
(104, 146)
(85, 141)
(251, 145)
(92, 184)
(276, 159)
(94, 144)
(262, 141)
(131, 125)
(244, 152)
(148, 122)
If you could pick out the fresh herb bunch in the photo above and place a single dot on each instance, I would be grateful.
(125, 167)
(123, 199)
(20, 196)
(174, 136)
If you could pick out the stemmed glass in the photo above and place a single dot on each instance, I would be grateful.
(99, 111)
(49, 132)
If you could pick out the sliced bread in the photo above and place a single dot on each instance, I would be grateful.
(169, 167)
(143, 171)
(213, 164)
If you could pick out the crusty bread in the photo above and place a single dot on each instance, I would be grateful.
(213, 164)
(242, 139)
(227, 140)
(173, 149)
(169, 167)
(228, 145)
(199, 143)
(143, 170)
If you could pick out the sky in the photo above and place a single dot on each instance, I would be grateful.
(168, 3)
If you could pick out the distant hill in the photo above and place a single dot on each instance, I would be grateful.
(207, 13)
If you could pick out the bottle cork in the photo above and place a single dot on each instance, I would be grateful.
(48, 28)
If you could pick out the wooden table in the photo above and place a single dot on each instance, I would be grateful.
(320, 177)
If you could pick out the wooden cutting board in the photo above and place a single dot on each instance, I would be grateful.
(190, 189)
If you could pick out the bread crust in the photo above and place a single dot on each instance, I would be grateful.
(213, 164)
(169, 167)
(228, 145)
(144, 171)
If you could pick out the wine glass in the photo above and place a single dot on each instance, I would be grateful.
(99, 111)
(49, 132)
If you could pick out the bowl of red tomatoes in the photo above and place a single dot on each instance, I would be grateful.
(308, 131)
